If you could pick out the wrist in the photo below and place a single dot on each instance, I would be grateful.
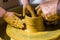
(3, 15)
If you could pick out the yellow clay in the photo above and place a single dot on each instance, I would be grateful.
(19, 34)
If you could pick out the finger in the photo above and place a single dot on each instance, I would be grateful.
(24, 11)
(37, 7)
(18, 14)
(39, 11)
(30, 9)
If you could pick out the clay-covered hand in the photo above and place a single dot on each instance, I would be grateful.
(49, 9)
(13, 20)
(2, 12)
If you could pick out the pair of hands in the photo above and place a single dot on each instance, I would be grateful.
(48, 8)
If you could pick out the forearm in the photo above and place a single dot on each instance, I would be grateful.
(2, 12)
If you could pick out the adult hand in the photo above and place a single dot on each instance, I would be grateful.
(49, 8)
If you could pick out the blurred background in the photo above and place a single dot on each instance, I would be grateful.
(12, 3)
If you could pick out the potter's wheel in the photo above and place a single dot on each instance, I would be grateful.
(19, 34)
